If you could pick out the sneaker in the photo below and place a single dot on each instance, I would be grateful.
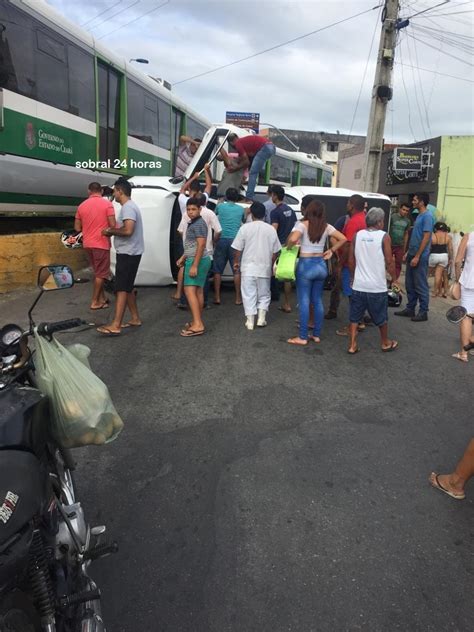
(262, 321)
(405, 312)
(330, 315)
(420, 317)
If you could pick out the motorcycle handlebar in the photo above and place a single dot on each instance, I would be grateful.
(46, 329)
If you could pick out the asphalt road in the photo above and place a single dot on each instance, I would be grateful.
(259, 487)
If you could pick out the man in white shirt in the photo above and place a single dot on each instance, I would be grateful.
(256, 247)
(370, 257)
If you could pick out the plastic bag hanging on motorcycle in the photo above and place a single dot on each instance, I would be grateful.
(83, 412)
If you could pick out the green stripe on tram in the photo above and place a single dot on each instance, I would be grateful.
(33, 198)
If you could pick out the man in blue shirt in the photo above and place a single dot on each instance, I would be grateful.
(416, 275)
(282, 218)
(231, 216)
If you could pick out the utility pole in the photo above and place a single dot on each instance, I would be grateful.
(381, 95)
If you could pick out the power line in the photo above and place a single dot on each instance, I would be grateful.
(422, 91)
(109, 17)
(134, 20)
(406, 94)
(416, 91)
(101, 13)
(435, 48)
(435, 72)
(267, 50)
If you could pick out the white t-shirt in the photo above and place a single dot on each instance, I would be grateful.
(259, 242)
(369, 273)
(306, 245)
(212, 223)
(183, 198)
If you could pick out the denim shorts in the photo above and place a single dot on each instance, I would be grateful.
(223, 253)
(376, 303)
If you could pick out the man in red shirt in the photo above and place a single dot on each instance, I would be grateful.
(93, 215)
(254, 150)
(356, 222)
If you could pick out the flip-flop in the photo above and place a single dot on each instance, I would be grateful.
(315, 339)
(342, 332)
(393, 346)
(291, 341)
(353, 352)
(458, 356)
(126, 325)
(107, 332)
(189, 333)
(103, 306)
(216, 302)
(443, 489)
(285, 311)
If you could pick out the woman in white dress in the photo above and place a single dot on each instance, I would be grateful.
(466, 279)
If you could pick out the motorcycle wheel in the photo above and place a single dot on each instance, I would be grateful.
(17, 614)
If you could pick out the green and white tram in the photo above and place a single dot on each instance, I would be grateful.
(70, 108)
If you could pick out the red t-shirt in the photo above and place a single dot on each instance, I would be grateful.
(353, 225)
(250, 145)
(93, 214)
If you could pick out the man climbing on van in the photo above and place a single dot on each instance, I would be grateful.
(253, 150)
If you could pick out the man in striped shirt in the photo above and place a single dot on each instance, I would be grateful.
(186, 150)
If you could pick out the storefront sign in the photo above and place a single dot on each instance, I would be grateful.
(248, 120)
(408, 159)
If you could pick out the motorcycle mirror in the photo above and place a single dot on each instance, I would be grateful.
(58, 277)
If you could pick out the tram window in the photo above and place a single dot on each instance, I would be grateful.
(308, 176)
(294, 174)
(195, 129)
(136, 110)
(51, 78)
(164, 138)
(51, 46)
(327, 178)
(81, 83)
(280, 169)
(17, 60)
(151, 120)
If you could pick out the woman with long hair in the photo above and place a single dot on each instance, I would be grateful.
(441, 257)
(311, 234)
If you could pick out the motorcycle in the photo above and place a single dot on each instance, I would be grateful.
(46, 545)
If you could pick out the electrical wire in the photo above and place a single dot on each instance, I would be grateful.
(363, 80)
(113, 15)
(134, 20)
(101, 13)
(417, 39)
(422, 93)
(406, 94)
(267, 50)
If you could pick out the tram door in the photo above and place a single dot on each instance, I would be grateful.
(177, 126)
(109, 113)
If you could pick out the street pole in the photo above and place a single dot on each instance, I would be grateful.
(381, 95)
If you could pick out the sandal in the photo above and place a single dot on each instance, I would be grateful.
(356, 350)
(189, 333)
(297, 341)
(460, 356)
(393, 346)
(107, 332)
(434, 480)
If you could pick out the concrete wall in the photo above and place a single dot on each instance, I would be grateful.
(456, 182)
(22, 255)
(350, 171)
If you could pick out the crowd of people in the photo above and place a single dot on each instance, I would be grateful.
(364, 260)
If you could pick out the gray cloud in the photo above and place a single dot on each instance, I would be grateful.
(310, 84)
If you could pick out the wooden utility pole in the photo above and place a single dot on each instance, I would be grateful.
(381, 95)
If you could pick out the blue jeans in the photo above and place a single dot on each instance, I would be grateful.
(310, 275)
(259, 160)
(416, 283)
(223, 253)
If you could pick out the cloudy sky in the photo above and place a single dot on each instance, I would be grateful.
(310, 84)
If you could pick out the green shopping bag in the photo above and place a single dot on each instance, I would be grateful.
(286, 266)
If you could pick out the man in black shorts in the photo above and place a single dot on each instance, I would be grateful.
(129, 246)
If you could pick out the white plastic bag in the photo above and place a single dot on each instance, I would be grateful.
(83, 412)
